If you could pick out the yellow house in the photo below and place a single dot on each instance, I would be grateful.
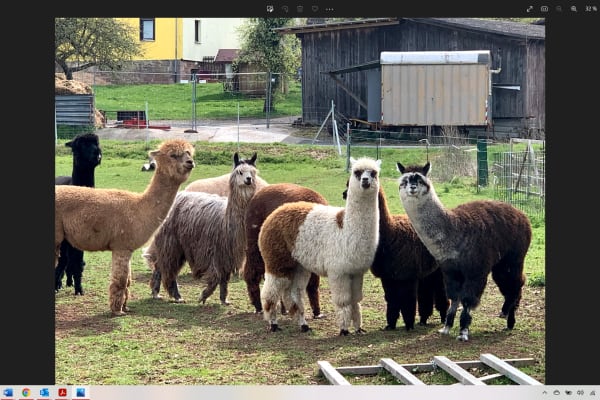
(179, 47)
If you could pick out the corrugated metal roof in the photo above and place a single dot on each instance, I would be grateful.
(508, 28)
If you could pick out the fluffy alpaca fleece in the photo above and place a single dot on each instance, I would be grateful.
(408, 272)
(262, 204)
(338, 242)
(121, 221)
(206, 230)
(87, 155)
(468, 241)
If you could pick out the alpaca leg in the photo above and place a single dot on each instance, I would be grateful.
(120, 279)
(253, 288)
(312, 291)
(211, 286)
(129, 279)
(454, 281)
(296, 294)
(224, 290)
(169, 268)
(470, 300)
(155, 281)
(510, 282)
(270, 298)
(341, 296)
(75, 268)
(59, 270)
(356, 290)
(425, 299)
(439, 294)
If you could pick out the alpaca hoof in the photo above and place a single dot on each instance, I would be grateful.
(389, 328)
(79, 293)
(274, 328)
(225, 303)
(318, 316)
(304, 328)
(409, 328)
(445, 330)
(181, 300)
(118, 313)
(502, 315)
(156, 296)
(462, 338)
(360, 331)
(344, 332)
(463, 335)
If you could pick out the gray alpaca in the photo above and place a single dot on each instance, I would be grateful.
(468, 242)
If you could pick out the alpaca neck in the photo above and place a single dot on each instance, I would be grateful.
(362, 210)
(385, 217)
(432, 223)
(83, 176)
(160, 193)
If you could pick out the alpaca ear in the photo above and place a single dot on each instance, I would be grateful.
(400, 168)
(352, 160)
(253, 159)
(153, 153)
(236, 159)
(378, 163)
(427, 168)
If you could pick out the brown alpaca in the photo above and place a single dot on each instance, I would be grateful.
(262, 204)
(121, 221)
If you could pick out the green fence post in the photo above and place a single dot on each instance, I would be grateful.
(482, 163)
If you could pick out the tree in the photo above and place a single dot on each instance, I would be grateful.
(274, 52)
(81, 43)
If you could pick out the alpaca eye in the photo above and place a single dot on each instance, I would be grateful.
(373, 174)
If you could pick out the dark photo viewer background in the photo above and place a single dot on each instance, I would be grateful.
(571, 275)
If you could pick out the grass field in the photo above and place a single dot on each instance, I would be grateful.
(160, 342)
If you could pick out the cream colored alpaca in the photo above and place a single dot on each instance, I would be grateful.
(121, 221)
(219, 184)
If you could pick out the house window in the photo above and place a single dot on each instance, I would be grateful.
(146, 29)
(197, 27)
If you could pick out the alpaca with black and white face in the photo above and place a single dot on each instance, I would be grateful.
(468, 241)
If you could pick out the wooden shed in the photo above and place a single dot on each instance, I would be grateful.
(338, 58)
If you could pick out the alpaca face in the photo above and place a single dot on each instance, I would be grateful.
(86, 151)
(414, 181)
(365, 174)
(244, 173)
(175, 154)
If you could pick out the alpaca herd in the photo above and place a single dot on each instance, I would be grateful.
(289, 237)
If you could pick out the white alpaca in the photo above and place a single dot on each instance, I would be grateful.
(121, 221)
(338, 242)
(219, 184)
(468, 242)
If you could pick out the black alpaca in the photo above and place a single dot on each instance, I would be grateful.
(409, 274)
(468, 242)
(87, 155)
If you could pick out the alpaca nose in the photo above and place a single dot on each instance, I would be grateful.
(248, 181)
